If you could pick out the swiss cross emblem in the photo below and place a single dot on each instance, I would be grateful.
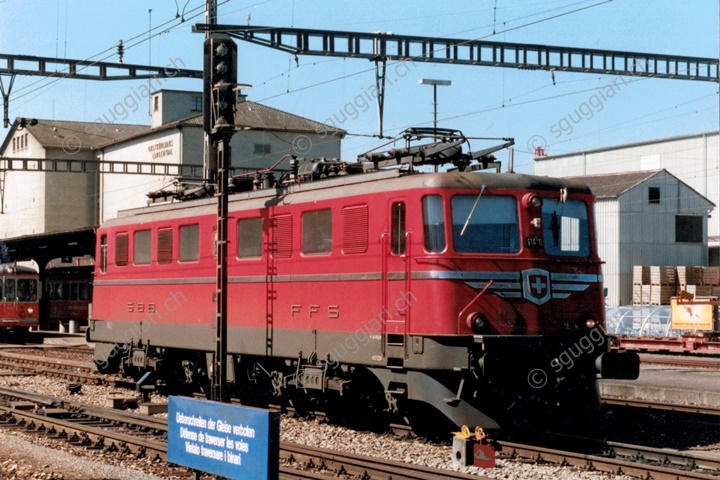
(536, 285)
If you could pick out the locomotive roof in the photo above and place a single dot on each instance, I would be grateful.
(361, 184)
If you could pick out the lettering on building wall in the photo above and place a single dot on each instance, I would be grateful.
(161, 149)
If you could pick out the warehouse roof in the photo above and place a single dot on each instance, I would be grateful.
(612, 185)
(74, 136)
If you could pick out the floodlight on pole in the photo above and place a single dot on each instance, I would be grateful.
(435, 83)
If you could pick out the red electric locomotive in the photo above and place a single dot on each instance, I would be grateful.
(477, 295)
(18, 299)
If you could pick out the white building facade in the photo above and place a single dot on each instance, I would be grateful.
(646, 218)
(37, 202)
(694, 159)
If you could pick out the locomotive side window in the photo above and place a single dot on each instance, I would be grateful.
(250, 238)
(317, 232)
(164, 246)
(26, 289)
(9, 293)
(397, 233)
(142, 247)
(282, 236)
(103, 253)
(355, 229)
(565, 227)
(433, 223)
(74, 287)
(487, 224)
(189, 243)
(121, 249)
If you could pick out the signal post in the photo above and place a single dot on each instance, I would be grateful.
(219, 98)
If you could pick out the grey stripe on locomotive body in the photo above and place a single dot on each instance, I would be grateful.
(351, 186)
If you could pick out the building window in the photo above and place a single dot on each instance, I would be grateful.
(189, 243)
(262, 148)
(250, 238)
(121, 249)
(156, 103)
(653, 194)
(141, 247)
(14, 146)
(688, 229)
(196, 104)
(317, 232)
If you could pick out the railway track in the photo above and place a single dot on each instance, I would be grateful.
(625, 459)
(112, 430)
(69, 370)
(687, 361)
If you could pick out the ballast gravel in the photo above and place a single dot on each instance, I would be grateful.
(26, 456)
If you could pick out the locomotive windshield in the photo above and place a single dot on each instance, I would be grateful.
(565, 227)
(19, 290)
(492, 227)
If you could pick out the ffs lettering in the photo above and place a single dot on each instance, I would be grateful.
(315, 311)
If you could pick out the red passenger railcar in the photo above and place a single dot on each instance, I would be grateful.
(68, 294)
(477, 295)
(18, 298)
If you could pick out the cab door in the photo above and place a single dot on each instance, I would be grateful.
(396, 278)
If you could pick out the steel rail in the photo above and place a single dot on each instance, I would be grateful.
(80, 425)
(656, 405)
(643, 462)
(77, 372)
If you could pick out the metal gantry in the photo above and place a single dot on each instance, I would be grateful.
(383, 47)
(12, 65)
(66, 165)
(390, 46)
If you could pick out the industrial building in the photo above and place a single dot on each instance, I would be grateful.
(38, 202)
(646, 218)
(693, 159)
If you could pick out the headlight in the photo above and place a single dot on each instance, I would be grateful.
(476, 322)
(30, 311)
(531, 200)
(590, 323)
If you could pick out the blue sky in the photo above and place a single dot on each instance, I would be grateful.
(482, 101)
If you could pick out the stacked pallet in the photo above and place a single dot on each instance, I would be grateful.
(641, 285)
(711, 281)
(653, 285)
(711, 276)
(662, 285)
(656, 285)
(689, 276)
